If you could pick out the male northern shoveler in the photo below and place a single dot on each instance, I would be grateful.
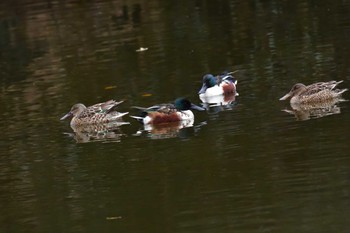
(224, 84)
(314, 93)
(96, 114)
(164, 113)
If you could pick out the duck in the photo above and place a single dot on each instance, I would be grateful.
(100, 113)
(314, 93)
(180, 110)
(224, 84)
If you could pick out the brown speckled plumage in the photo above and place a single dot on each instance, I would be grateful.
(95, 114)
(314, 93)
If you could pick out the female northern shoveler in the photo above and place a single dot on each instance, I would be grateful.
(224, 84)
(96, 114)
(164, 113)
(314, 93)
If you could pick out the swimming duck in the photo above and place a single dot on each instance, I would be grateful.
(314, 93)
(96, 114)
(224, 84)
(180, 110)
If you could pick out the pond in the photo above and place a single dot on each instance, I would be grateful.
(254, 165)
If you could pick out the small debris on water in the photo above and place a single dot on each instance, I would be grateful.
(141, 49)
(113, 217)
(110, 87)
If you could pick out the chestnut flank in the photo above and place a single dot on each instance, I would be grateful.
(228, 88)
(159, 118)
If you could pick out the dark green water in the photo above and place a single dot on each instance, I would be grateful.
(250, 168)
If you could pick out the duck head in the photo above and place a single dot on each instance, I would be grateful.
(183, 104)
(74, 111)
(208, 81)
(296, 90)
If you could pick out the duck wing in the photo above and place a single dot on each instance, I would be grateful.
(162, 108)
(320, 86)
(226, 77)
(105, 107)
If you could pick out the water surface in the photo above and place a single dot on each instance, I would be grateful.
(250, 167)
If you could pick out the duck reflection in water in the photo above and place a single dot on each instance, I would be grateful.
(315, 100)
(305, 112)
(109, 132)
(98, 122)
(179, 129)
(219, 92)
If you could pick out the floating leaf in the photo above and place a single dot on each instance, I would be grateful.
(141, 49)
(146, 95)
(113, 217)
(110, 87)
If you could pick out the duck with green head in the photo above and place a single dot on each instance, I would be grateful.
(164, 113)
(223, 84)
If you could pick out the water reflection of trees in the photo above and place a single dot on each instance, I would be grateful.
(262, 37)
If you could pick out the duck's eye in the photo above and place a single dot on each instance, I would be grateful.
(296, 87)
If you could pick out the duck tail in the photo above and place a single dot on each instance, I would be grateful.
(110, 105)
(117, 115)
(339, 82)
(341, 91)
(123, 114)
(138, 118)
(139, 108)
(119, 102)
(335, 83)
